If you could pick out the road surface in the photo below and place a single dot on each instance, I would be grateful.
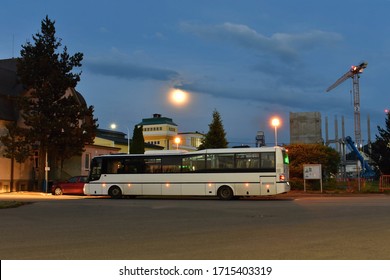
(301, 228)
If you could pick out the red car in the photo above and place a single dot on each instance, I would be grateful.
(74, 185)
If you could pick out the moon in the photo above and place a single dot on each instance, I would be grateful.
(178, 96)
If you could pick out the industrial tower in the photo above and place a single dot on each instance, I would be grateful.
(354, 74)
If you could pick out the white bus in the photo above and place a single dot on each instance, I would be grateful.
(226, 173)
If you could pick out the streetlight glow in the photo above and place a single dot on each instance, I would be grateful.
(177, 141)
(275, 123)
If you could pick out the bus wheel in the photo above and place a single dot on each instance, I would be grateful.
(225, 193)
(115, 192)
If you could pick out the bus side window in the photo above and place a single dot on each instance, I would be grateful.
(226, 161)
(268, 160)
(113, 166)
(220, 161)
(247, 161)
(152, 165)
(121, 168)
(132, 166)
(171, 164)
(194, 163)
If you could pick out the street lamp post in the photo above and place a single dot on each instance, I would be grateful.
(275, 123)
(128, 140)
(47, 168)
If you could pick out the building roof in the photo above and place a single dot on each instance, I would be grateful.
(11, 88)
(115, 136)
(79, 97)
(157, 119)
(192, 132)
(120, 138)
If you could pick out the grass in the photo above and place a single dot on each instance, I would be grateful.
(11, 204)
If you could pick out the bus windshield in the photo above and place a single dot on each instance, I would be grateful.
(96, 169)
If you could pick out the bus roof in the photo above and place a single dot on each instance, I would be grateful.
(236, 150)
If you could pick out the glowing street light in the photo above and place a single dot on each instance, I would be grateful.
(177, 141)
(275, 123)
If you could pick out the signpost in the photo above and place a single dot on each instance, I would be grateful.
(312, 172)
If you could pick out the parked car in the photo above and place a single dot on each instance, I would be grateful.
(73, 185)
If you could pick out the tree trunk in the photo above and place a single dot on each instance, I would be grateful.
(41, 169)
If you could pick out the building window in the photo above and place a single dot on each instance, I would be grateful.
(87, 161)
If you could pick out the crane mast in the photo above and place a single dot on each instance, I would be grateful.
(356, 110)
(354, 74)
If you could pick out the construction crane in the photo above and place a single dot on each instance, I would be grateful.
(354, 74)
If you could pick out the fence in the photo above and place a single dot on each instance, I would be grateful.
(354, 184)
(384, 183)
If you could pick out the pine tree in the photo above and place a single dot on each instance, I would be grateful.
(216, 136)
(57, 122)
(138, 141)
(381, 148)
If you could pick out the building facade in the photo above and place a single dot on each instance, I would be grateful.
(119, 140)
(190, 141)
(306, 128)
(162, 131)
(10, 89)
(159, 131)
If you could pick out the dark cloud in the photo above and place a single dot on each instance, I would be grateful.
(287, 81)
(291, 98)
(129, 71)
(282, 45)
(293, 75)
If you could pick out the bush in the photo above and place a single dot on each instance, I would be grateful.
(296, 184)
